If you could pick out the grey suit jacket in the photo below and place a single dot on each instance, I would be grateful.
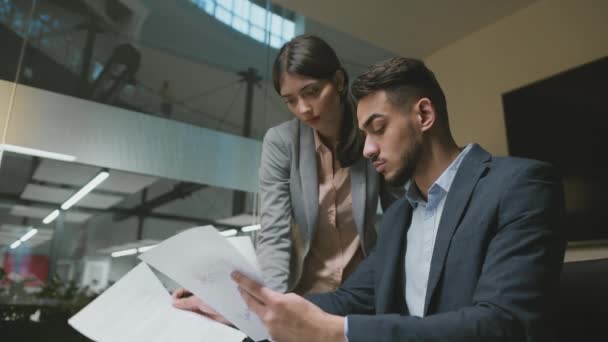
(495, 265)
(289, 192)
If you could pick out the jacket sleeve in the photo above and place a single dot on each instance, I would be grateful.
(522, 262)
(273, 240)
(355, 296)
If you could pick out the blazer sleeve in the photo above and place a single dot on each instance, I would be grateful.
(522, 263)
(273, 240)
(355, 296)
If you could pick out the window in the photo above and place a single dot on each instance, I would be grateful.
(265, 26)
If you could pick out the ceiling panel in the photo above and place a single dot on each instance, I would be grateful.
(9, 233)
(78, 175)
(65, 173)
(40, 213)
(49, 194)
(126, 182)
(14, 173)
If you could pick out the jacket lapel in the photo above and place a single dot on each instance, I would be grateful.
(358, 194)
(309, 179)
(390, 291)
(467, 176)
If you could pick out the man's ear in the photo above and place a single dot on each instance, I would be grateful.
(426, 114)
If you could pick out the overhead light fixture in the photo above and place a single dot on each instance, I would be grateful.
(51, 217)
(37, 153)
(24, 238)
(29, 234)
(124, 253)
(229, 232)
(145, 248)
(251, 228)
(85, 190)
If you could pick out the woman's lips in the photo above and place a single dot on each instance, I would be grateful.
(313, 120)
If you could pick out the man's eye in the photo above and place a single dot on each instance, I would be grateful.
(379, 129)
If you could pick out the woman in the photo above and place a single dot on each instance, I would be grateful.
(318, 194)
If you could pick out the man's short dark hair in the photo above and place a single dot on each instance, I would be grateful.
(404, 79)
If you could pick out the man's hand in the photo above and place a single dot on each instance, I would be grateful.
(183, 299)
(289, 317)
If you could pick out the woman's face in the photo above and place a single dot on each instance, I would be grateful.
(316, 102)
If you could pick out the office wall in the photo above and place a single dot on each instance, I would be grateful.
(541, 40)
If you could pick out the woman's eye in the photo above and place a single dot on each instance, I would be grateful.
(312, 91)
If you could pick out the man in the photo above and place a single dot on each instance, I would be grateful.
(471, 253)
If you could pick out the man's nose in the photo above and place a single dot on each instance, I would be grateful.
(370, 149)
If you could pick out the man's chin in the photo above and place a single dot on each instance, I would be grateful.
(395, 179)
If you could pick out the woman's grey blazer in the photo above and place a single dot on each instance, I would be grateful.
(289, 202)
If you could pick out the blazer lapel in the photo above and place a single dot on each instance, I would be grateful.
(309, 179)
(467, 176)
(358, 177)
(391, 287)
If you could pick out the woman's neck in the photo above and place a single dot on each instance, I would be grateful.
(330, 135)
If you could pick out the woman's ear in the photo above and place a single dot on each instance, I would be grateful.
(340, 80)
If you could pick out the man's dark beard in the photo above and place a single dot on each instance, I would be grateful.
(406, 171)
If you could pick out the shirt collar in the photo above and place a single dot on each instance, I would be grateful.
(441, 186)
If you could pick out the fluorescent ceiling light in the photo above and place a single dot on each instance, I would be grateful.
(85, 190)
(251, 228)
(229, 232)
(125, 252)
(37, 153)
(145, 248)
(51, 217)
(24, 238)
(29, 234)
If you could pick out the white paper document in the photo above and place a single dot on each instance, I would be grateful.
(138, 308)
(243, 244)
(201, 260)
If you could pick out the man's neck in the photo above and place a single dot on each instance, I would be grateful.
(435, 159)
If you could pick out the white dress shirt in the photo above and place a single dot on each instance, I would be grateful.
(422, 233)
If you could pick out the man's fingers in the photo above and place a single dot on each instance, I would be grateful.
(261, 293)
(184, 304)
(206, 308)
(252, 303)
(180, 293)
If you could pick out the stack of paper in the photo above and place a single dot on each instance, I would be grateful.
(138, 307)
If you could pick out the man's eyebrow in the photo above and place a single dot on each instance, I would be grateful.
(370, 119)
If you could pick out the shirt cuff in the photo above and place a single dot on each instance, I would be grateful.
(346, 329)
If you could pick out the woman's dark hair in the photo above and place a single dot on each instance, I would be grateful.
(311, 56)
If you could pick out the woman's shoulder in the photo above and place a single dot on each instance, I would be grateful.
(285, 133)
